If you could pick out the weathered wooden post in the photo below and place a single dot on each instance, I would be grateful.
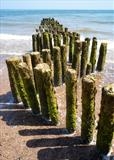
(34, 43)
(77, 56)
(88, 43)
(51, 45)
(47, 57)
(65, 38)
(89, 69)
(27, 60)
(88, 108)
(102, 57)
(63, 49)
(71, 47)
(93, 53)
(35, 58)
(71, 99)
(84, 59)
(27, 79)
(46, 42)
(45, 88)
(57, 66)
(106, 120)
(15, 92)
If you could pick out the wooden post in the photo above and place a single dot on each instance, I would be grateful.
(46, 42)
(77, 56)
(27, 60)
(93, 54)
(102, 57)
(88, 43)
(65, 38)
(88, 108)
(57, 66)
(14, 88)
(51, 45)
(26, 76)
(89, 69)
(71, 99)
(45, 87)
(84, 59)
(71, 48)
(63, 61)
(47, 57)
(35, 58)
(34, 43)
(105, 132)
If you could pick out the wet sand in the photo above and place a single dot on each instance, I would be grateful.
(25, 137)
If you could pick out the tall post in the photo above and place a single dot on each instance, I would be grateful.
(102, 57)
(71, 99)
(34, 43)
(63, 49)
(27, 60)
(88, 108)
(77, 56)
(46, 42)
(84, 59)
(105, 132)
(57, 66)
(71, 48)
(93, 54)
(27, 79)
(47, 57)
(15, 92)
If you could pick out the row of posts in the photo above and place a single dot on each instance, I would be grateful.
(32, 79)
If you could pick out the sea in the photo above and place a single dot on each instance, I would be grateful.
(17, 27)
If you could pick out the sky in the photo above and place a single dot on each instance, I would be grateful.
(57, 4)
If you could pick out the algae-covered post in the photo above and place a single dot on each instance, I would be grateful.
(57, 66)
(43, 78)
(46, 41)
(71, 99)
(77, 56)
(34, 43)
(26, 76)
(71, 47)
(15, 92)
(63, 61)
(106, 120)
(102, 57)
(88, 108)
(93, 53)
(35, 58)
(89, 69)
(84, 58)
(27, 60)
(47, 57)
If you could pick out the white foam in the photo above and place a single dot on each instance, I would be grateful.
(14, 37)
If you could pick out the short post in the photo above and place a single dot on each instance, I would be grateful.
(89, 69)
(34, 43)
(93, 53)
(27, 60)
(63, 49)
(47, 57)
(10, 63)
(84, 59)
(102, 57)
(35, 58)
(77, 56)
(57, 66)
(27, 79)
(106, 120)
(71, 99)
(88, 108)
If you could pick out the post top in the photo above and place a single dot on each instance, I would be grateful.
(109, 89)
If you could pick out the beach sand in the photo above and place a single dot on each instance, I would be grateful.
(25, 137)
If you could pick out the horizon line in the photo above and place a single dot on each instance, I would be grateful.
(53, 9)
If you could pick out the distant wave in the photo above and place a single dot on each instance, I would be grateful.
(88, 30)
(102, 22)
(14, 37)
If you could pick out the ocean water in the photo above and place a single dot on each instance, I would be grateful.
(17, 26)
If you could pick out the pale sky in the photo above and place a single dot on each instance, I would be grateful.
(57, 4)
